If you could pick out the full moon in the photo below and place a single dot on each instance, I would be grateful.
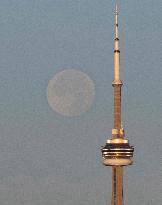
(70, 92)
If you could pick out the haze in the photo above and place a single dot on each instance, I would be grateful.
(48, 159)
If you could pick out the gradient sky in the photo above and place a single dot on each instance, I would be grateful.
(48, 159)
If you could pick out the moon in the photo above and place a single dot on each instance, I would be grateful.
(70, 92)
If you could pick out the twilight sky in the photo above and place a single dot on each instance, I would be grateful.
(49, 159)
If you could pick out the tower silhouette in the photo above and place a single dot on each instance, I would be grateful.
(117, 152)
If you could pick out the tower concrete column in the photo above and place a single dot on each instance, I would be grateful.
(117, 107)
(117, 185)
(117, 152)
(117, 171)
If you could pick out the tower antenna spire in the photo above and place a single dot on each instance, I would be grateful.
(116, 15)
(116, 50)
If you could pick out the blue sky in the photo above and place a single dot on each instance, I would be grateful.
(46, 158)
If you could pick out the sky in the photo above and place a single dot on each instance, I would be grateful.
(50, 159)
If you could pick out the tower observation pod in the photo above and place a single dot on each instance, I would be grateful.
(117, 151)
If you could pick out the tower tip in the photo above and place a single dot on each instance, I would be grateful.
(116, 9)
(116, 17)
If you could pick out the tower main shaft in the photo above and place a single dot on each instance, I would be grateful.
(117, 171)
(117, 110)
(117, 152)
(117, 185)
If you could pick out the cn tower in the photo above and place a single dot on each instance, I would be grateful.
(117, 151)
